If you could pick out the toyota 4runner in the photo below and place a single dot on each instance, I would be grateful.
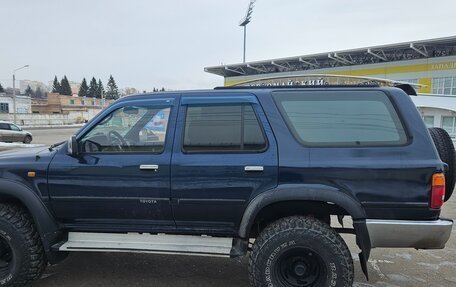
(231, 171)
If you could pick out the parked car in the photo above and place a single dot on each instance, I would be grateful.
(262, 171)
(10, 132)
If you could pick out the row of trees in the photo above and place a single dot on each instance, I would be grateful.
(96, 90)
(93, 90)
(63, 87)
(37, 93)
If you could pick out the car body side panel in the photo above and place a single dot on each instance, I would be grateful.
(390, 182)
(212, 190)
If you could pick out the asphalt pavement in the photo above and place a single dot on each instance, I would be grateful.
(387, 267)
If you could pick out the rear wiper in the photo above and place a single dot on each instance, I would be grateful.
(56, 145)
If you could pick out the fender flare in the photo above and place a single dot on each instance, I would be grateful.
(312, 192)
(46, 224)
(288, 192)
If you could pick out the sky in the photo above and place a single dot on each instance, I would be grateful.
(156, 43)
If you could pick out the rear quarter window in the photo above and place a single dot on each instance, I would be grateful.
(341, 118)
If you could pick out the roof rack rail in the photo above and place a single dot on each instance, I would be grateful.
(294, 87)
(322, 81)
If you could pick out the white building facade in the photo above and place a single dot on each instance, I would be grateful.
(23, 104)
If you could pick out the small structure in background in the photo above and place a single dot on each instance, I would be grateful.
(81, 109)
(438, 111)
(23, 104)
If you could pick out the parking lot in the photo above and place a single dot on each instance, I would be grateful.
(387, 267)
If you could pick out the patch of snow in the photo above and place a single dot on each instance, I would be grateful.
(52, 126)
(2, 144)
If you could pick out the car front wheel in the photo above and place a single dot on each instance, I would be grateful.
(22, 258)
(27, 139)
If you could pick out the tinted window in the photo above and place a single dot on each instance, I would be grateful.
(341, 118)
(218, 128)
(4, 126)
(130, 129)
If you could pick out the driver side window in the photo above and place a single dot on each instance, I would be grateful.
(129, 129)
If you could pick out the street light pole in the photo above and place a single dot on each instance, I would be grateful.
(245, 21)
(245, 41)
(102, 100)
(14, 92)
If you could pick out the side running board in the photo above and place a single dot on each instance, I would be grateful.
(147, 243)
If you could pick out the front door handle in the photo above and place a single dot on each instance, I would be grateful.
(153, 167)
(254, 168)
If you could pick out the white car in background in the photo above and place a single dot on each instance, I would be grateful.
(10, 132)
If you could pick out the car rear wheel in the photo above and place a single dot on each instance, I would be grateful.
(445, 148)
(300, 251)
(27, 139)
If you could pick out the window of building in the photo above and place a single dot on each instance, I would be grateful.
(71, 102)
(222, 128)
(444, 86)
(130, 129)
(429, 121)
(4, 108)
(82, 102)
(342, 119)
(411, 81)
(448, 124)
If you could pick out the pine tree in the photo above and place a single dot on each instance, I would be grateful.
(93, 88)
(2, 90)
(29, 92)
(100, 90)
(112, 92)
(56, 88)
(83, 89)
(65, 88)
(38, 93)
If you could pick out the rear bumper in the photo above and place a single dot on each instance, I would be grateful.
(409, 234)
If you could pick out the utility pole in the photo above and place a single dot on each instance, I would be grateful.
(245, 21)
(14, 92)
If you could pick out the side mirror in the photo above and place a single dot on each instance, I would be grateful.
(73, 147)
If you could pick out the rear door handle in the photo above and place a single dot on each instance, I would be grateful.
(254, 168)
(153, 167)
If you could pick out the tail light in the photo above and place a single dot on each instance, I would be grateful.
(438, 190)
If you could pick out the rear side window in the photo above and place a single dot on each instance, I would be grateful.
(222, 128)
(4, 126)
(342, 118)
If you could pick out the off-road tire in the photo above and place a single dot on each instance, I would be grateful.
(293, 233)
(28, 260)
(27, 139)
(445, 148)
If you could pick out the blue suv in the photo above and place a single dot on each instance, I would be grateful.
(232, 171)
